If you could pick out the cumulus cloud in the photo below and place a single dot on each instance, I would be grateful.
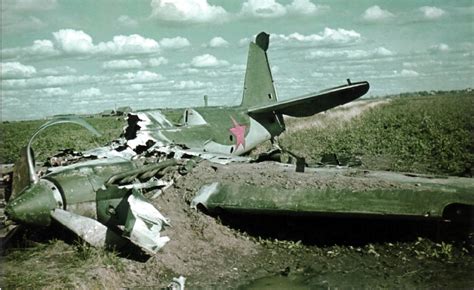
(263, 8)
(39, 48)
(139, 77)
(328, 37)
(408, 73)
(128, 64)
(78, 42)
(127, 21)
(192, 11)
(191, 85)
(431, 12)
(376, 14)
(73, 41)
(51, 92)
(88, 93)
(49, 81)
(357, 53)
(217, 42)
(132, 44)
(120, 64)
(154, 62)
(440, 47)
(14, 70)
(272, 8)
(206, 61)
(175, 42)
(305, 7)
(61, 70)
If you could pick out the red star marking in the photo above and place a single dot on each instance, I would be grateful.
(239, 132)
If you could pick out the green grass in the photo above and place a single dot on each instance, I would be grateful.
(15, 135)
(430, 134)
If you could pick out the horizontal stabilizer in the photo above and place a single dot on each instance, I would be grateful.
(314, 103)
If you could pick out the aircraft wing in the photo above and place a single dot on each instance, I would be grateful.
(314, 103)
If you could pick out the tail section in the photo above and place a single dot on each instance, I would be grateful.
(258, 86)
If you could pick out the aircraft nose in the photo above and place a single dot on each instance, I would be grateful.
(33, 206)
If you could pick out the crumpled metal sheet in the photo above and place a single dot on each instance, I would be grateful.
(144, 224)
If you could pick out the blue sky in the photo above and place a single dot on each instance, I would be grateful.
(87, 56)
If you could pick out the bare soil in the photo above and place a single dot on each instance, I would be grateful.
(215, 252)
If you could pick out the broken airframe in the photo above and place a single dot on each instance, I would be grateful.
(98, 194)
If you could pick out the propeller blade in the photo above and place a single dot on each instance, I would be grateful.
(90, 230)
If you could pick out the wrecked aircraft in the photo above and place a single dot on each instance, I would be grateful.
(98, 194)
(100, 200)
(234, 131)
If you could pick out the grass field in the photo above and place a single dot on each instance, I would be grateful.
(425, 134)
(15, 135)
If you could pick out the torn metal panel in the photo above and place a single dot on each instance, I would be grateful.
(144, 224)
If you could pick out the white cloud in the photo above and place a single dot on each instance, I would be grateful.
(357, 53)
(49, 81)
(139, 77)
(207, 60)
(431, 12)
(305, 7)
(328, 37)
(132, 44)
(193, 11)
(62, 70)
(14, 70)
(376, 14)
(272, 8)
(43, 47)
(154, 62)
(73, 41)
(120, 64)
(78, 42)
(263, 8)
(52, 92)
(410, 64)
(218, 42)
(440, 47)
(134, 87)
(175, 42)
(88, 93)
(39, 48)
(244, 41)
(190, 85)
(127, 21)
(409, 73)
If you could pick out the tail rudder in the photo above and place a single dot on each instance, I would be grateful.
(258, 86)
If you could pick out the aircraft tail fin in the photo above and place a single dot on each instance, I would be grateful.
(258, 86)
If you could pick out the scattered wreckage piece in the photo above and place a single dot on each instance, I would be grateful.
(100, 200)
(340, 191)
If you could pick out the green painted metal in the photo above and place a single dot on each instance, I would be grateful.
(237, 130)
(34, 204)
(392, 194)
